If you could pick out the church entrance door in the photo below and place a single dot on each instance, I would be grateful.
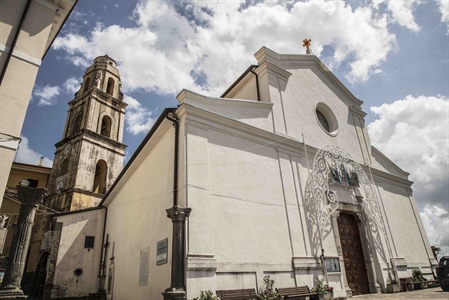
(352, 254)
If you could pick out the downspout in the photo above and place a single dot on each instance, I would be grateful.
(257, 83)
(175, 121)
(105, 244)
(13, 45)
(178, 215)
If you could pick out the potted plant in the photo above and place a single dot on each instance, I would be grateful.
(393, 286)
(325, 292)
(419, 281)
(268, 291)
(206, 295)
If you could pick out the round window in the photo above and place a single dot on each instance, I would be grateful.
(326, 119)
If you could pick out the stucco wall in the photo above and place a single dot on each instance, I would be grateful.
(137, 219)
(248, 214)
(73, 255)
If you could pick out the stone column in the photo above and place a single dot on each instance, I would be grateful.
(30, 198)
(177, 289)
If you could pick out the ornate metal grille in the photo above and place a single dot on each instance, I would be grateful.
(326, 201)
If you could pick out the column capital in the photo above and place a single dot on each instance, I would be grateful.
(178, 214)
(30, 196)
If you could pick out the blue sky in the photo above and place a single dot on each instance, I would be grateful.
(392, 54)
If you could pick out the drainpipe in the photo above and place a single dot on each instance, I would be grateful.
(104, 248)
(13, 45)
(257, 83)
(178, 215)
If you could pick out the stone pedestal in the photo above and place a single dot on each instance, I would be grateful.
(177, 289)
(30, 198)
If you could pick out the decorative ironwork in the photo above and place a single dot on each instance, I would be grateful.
(327, 162)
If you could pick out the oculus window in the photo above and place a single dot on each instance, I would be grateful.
(326, 119)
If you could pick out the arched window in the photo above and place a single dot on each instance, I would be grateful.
(106, 126)
(77, 123)
(86, 85)
(64, 167)
(101, 170)
(110, 88)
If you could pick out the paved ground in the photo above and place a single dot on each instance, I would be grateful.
(432, 293)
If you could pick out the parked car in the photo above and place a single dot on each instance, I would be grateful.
(443, 273)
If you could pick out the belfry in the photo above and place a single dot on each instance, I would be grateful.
(90, 155)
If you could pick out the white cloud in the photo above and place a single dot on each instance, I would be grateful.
(443, 6)
(402, 12)
(138, 118)
(27, 155)
(72, 85)
(436, 223)
(413, 132)
(206, 49)
(47, 95)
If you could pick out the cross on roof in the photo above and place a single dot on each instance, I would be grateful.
(307, 43)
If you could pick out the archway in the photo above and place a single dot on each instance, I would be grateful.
(110, 87)
(101, 170)
(106, 126)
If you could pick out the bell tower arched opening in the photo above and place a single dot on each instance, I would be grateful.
(106, 126)
(77, 123)
(86, 85)
(110, 87)
(101, 170)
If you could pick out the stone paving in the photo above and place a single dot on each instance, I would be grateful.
(431, 293)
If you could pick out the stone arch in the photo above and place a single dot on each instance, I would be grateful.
(101, 170)
(110, 86)
(105, 127)
(77, 122)
(86, 84)
(64, 166)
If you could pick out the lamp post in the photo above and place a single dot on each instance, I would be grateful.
(29, 198)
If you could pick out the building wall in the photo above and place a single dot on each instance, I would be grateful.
(251, 195)
(73, 255)
(137, 220)
(39, 28)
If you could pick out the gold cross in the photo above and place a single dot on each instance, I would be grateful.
(307, 45)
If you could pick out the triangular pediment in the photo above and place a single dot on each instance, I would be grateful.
(382, 162)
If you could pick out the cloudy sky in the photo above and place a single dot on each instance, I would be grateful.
(392, 54)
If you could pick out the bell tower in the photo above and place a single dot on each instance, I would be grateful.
(90, 155)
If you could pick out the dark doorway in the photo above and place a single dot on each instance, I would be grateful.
(351, 247)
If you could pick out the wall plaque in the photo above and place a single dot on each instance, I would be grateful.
(144, 266)
(162, 251)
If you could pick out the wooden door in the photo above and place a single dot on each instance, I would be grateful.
(351, 247)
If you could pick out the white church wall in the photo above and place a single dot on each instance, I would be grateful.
(251, 195)
(73, 255)
(137, 221)
(409, 244)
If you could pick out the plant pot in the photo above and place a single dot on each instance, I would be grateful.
(326, 296)
(393, 287)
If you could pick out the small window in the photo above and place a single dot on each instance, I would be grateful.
(326, 119)
(89, 242)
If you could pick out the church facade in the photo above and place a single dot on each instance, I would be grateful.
(275, 177)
